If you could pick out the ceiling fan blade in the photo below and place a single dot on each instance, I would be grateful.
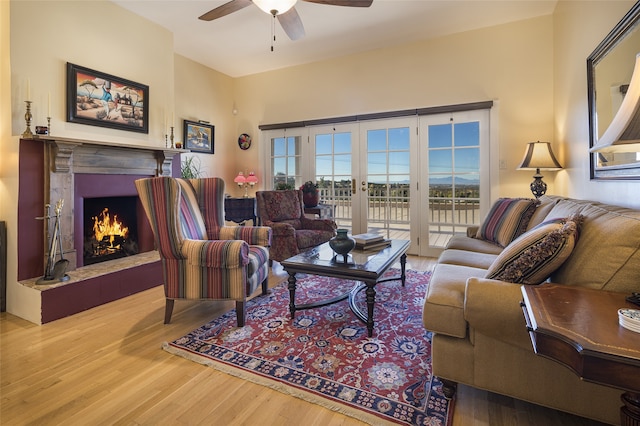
(225, 9)
(292, 24)
(349, 3)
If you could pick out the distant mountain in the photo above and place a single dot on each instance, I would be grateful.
(448, 180)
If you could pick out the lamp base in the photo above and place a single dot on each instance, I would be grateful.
(538, 187)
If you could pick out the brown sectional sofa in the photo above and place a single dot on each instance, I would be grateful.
(480, 337)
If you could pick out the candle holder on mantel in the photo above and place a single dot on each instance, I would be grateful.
(27, 117)
(171, 138)
(166, 140)
(48, 125)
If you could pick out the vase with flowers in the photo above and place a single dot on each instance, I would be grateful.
(310, 194)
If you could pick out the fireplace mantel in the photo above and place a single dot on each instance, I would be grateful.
(83, 156)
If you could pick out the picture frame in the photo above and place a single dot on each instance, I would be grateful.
(100, 99)
(199, 136)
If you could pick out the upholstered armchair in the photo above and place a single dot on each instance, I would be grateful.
(293, 232)
(201, 258)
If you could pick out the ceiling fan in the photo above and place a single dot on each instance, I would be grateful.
(284, 10)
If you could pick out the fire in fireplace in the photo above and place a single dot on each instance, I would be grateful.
(110, 228)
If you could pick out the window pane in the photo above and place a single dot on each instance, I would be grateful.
(323, 166)
(342, 164)
(292, 145)
(399, 139)
(323, 144)
(278, 147)
(467, 134)
(279, 166)
(440, 136)
(342, 143)
(467, 160)
(376, 140)
(377, 163)
(399, 162)
(440, 161)
(292, 166)
(440, 187)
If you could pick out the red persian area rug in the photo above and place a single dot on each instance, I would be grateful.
(324, 355)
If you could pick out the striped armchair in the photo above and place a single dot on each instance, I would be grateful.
(293, 232)
(201, 258)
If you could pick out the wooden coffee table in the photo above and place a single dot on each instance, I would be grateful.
(364, 266)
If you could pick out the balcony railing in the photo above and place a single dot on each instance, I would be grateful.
(389, 212)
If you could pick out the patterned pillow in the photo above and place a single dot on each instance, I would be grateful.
(507, 220)
(533, 256)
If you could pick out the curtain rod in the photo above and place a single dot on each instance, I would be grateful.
(380, 115)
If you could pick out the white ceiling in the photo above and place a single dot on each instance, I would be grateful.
(240, 44)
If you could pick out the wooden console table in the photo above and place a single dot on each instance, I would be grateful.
(578, 327)
(239, 210)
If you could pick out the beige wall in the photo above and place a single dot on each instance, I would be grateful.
(510, 63)
(579, 27)
(205, 94)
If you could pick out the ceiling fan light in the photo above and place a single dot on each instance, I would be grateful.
(279, 6)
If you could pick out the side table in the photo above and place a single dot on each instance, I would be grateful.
(578, 327)
(324, 211)
(239, 210)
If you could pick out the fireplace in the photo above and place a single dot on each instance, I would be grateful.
(117, 193)
(94, 179)
(110, 229)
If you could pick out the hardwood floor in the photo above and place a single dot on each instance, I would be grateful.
(105, 366)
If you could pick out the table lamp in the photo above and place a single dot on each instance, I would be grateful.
(537, 156)
(246, 181)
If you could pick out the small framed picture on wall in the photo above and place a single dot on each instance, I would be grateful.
(199, 136)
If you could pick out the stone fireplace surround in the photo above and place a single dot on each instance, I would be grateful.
(52, 168)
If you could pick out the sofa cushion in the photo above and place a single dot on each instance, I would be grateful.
(507, 219)
(607, 257)
(534, 255)
(542, 211)
(444, 305)
(461, 242)
(467, 258)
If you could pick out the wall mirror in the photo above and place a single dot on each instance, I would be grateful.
(609, 71)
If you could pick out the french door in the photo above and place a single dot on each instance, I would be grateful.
(454, 176)
(418, 178)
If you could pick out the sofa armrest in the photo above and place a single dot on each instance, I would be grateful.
(281, 229)
(225, 254)
(253, 235)
(328, 225)
(492, 308)
(472, 231)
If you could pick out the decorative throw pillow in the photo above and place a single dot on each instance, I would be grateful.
(535, 255)
(507, 219)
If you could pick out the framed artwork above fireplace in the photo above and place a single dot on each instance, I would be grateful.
(99, 99)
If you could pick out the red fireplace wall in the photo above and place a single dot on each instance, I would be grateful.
(31, 250)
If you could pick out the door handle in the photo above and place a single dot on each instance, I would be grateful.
(353, 186)
(364, 186)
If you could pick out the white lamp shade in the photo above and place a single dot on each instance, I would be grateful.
(279, 6)
(539, 155)
(623, 134)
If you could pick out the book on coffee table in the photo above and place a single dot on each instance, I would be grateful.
(374, 246)
(367, 238)
(370, 241)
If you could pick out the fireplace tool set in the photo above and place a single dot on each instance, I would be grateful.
(55, 271)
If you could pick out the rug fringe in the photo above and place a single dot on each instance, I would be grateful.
(280, 387)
